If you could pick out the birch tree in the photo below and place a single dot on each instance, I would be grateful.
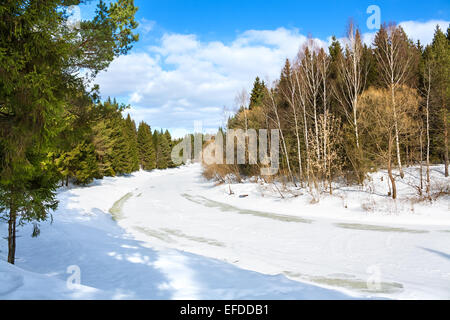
(302, 98)
(272, 105)
(312, 82)
(323, 68)
(291, 93)
(394, 62)
(353, 75)
(427, 78)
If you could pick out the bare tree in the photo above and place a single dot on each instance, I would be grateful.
(323, 168)
(324, 65)
(353, 74)
(427, 76)
(242, 101)
(273, 107)
(394, 61)
(302, 97)
(291, 94)
(312, 82)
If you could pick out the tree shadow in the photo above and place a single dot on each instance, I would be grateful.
(121, 267)
(439, 253)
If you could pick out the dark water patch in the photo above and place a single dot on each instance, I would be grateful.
(229, 208)
(178, 233)
(368, 227)
(116, 209)
(350, 282)
(155, 234)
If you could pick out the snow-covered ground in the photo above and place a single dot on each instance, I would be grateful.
(176, 235)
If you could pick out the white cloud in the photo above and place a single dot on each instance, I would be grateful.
(145, 26)
(184, 79)
(423, 31)
(368, 38)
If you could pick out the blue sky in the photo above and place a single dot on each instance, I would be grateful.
(195, 56)
(219, 19)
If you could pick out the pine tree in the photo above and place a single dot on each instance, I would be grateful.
(147, 156)
(103, 145)
(440, 55)
(40, 59)
(257, 94)
(120, 152)
(32, 89)
(131, 136)
(88, 168)
(163, 150)
(168, 137)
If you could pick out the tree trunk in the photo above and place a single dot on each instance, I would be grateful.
(287, 156)
(325, 113)
(308, 162)
(445, 142)
(355, 122)
(297, 135)
(12, 235)
(316, 129)
(397, 142)
(428, 132)
(274, 106)
(391, 177)
(421, 161)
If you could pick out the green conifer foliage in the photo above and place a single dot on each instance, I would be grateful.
(131, 136)
(40, 60)
(103, 144)
(257, 94)
(147, 156)
(80, 164)
(440, 55)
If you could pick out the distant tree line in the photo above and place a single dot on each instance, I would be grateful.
(107, 144)
(352, 109)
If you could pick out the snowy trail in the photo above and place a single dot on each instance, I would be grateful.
(177, 236)
(185, 212)
(113, 265)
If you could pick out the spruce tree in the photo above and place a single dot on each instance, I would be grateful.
(80, 163)
(120, 152)
(131, 136)
(147, 156)
(168, 137)
(103, 145)
(440, 55)
(257, 94)
(163, 150)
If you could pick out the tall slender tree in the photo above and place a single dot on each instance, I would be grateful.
(392, 49)
(147, 156)
(440, 55)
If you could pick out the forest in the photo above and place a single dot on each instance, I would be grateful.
(326, 179)
(54, 128)
(342, 112)
(352, 109)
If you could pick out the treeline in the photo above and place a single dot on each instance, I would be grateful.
(106, 144)
(352, 109)
(53, 127)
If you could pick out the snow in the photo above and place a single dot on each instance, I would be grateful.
(113, 265)
(173, 235)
